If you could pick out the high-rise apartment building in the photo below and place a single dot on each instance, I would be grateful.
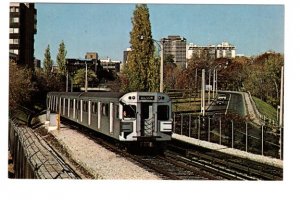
(176, 46)
(125, 55)
(22, 28)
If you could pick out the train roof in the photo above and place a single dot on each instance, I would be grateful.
(108, 95)
(89, 94)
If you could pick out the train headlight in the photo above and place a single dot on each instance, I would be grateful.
(161, 97)
(131, 97)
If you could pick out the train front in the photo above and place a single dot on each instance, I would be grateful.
(146, 117)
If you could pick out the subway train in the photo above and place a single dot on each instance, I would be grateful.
(142, 118)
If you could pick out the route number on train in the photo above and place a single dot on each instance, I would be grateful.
(146, 97)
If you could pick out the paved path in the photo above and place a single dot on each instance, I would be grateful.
(248, 106)
(251, 109)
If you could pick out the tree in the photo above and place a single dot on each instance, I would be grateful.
(263, 77)
(48, 62)
(153, 75)
(20, 86)
(140, 72)
(61, 59)
(79, 77)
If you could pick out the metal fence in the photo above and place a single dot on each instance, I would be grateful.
(32, 157)
(220, 129)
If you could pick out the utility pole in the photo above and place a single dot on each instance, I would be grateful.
(281, 113)
(67, 81)
(196, 82)
(161, 84)
(86, 81)
(209, 74)
(203, 92)
(281, 99)
(214, 83)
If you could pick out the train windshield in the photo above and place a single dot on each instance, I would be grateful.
(163, 112)
(129, 111)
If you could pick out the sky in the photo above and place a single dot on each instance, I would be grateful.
(105, 28)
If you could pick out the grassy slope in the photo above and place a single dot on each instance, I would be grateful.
(265, 109)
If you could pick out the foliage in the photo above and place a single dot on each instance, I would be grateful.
(79, 77)
(231, 74)
(259, 75)
(48, 62)
(61, 59)
(153, 75)
(186, 78)
(170, 76)
(265, 109)
(140, 72)
(20, 85)
(29, 88)
(264, 76)
(45, 83)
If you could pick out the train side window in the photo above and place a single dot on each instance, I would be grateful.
(71, 103)
(117, 112)
(129, 111)
(163, 112)
(48, 102)
(94, 107)
(66, 103)
(105, 109)
(85, 106)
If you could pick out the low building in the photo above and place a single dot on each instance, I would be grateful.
(223, 50)
(74, 64)
(110, 64)
(91, 55)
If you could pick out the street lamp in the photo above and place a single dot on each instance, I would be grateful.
(68, 76)
(86, 81)
(215, 77)
(161, 46)
(161, 84)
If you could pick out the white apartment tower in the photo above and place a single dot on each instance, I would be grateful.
(223, 50)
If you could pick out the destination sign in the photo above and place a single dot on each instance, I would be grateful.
(146, 97)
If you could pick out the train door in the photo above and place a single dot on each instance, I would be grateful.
(111, 118)
(75, 109)
(147, 119)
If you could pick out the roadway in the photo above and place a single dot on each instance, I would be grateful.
(234, 103)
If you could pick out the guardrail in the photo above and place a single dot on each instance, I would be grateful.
(240, 135)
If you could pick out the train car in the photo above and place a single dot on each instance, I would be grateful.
(141, 117)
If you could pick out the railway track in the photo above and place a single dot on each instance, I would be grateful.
(180, 163)
(241, 168)
(166, 167)
(174, 169)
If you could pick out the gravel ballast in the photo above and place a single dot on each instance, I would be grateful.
(98, 161)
